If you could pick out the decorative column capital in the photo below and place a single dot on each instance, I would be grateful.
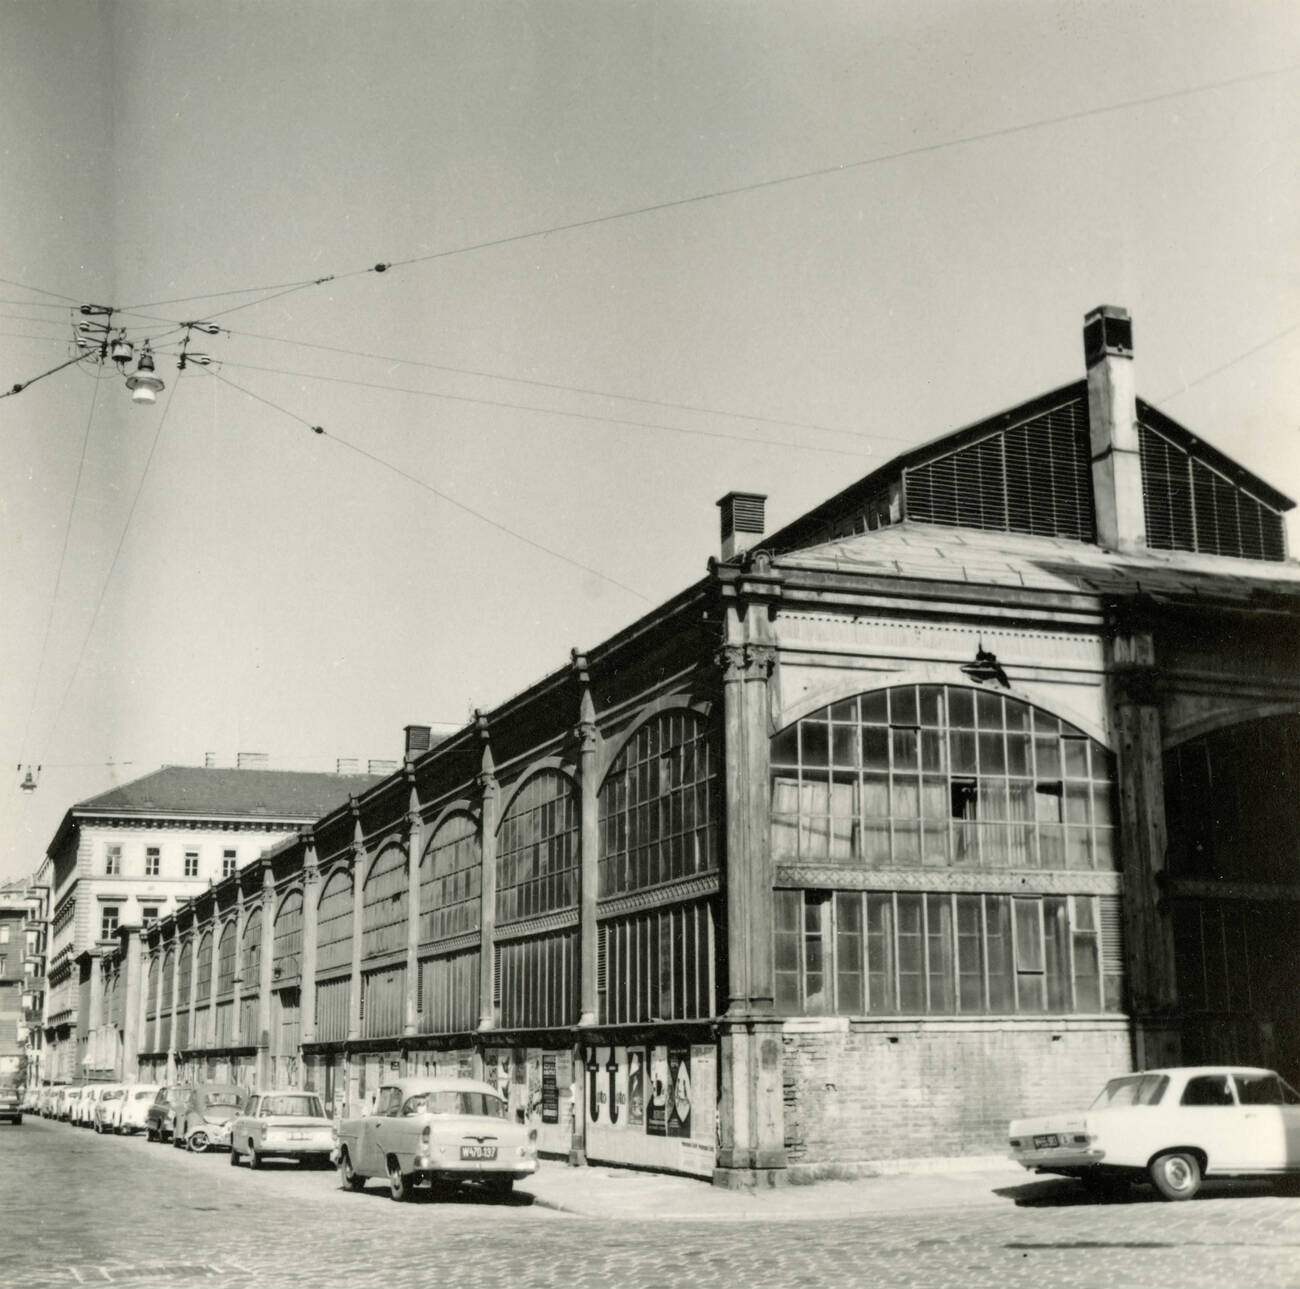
(585, 731)
(486, 780)
(730, 660)
(760, 660)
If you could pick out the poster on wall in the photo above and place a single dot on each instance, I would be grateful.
(636, 1087)
(656, 1118)
(678, 1093)
(550, 1090)
(704, 1116)
(533, 1106)
(466, 1065)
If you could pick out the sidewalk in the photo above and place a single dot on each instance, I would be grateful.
(600, 1191)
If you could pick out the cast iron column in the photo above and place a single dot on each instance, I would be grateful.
(310, 911)
(487, 784)
(414, 848)
(264, 1077)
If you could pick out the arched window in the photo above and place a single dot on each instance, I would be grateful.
(250, 969)
(185, 973)
(941, 776)
(226, 958)
(659, 806)
(203, 965)
(287, 943)
(334, 922)
(384, 902)
(451, 873)
(168, 976)
(537, 849)
(151, 1004)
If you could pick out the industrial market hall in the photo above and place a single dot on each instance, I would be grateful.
(970, 788)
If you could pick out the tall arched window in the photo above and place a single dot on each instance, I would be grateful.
(941, 776)
(168, 976)
(151, 1003)
(384, 902)
(537, 849)
(226, 959)
(203, 965)
(451, 873)
(287, 942)
(250, 968)
(659, 806)
(334, 922)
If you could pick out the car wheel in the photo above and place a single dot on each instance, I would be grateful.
(234, 1154)
(348, 1178)
(198, 1142)
(149, 1134)
(1176, 1175)
(254, 1159)
(399, 1184)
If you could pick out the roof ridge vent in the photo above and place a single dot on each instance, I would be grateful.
(743, 520)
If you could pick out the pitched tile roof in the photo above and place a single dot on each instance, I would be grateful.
(193, 790)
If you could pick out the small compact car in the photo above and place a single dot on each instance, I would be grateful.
(160, 1118)
(203, 1115)
(134, 1107)
(108, 1100)
(85, 1112)
(435, 1130)
(282, 1125)
(69, 1103)
(1171, 1127)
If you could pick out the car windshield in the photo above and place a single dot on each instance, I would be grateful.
(294, 1107)
(112, 1094)
(146, 1094)
(1133, 1089)
(455, 1103)
(224, 1096)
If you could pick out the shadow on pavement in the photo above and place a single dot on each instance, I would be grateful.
(470, 1195)
(1062, 1192)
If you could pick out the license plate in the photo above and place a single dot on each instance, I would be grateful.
(1049, 1141)
(298, 1136)
(478, 1152)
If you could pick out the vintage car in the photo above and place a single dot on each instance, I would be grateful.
(281, 1125)
(160, 1118)
(134, 1108)
(1171, 1127)
(69, 1103)
(435, 1130)
(108, 1099)
(203, 1115)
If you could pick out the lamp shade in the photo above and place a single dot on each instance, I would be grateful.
(144, 389)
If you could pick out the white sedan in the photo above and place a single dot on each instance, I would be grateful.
(1171, 1127)
(281, 1125)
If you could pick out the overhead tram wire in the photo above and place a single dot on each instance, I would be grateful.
(551, 411)
(676, 203)
(39, 290)
(428, 487)
(1222, 367)
(58, 577)
(108, 577)
(556, 385)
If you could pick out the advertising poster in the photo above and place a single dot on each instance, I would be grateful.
(635, 1087)
(704, 1081)
(533, 1109)
(466, 1070)
(656, 1117)
(503, 1064)
(616, 1072)
(679, 1092)
(550, 1090)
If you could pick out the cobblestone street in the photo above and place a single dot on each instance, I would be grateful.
(132, 1213)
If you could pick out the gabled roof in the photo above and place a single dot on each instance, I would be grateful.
(257, 794)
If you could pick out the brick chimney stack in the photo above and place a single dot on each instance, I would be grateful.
(1112, 423)
(742, 522)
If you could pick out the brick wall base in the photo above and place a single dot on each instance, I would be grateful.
(859, 1094)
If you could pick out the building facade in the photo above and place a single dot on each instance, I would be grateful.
(22, 954)
(127, 856)
(965, 791)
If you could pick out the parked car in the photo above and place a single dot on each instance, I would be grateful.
(435, 1130)
(108, 1101)
(69, 1103)
(135, 1107)
(1172, 1127)
(203, 1115)
(85, 1116)
(282, 1125)
(45, 1102)
(161, 1115)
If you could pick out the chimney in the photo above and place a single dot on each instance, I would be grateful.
(347, 765)
(742, 522)
(381, 767)
(1112, 425)
(209, 760)
(419, 738)
(251, 760)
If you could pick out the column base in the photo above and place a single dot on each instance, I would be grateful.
(577, 1157)
(750, 1179)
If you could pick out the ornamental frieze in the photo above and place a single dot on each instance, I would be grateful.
(1034, 882)
(537, 926)
(692, 888)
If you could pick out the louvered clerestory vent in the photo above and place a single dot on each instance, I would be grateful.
(1029, 478)
(1190, 506)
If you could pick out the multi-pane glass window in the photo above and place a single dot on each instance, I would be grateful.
(334, 922)
(226, 959)
(113, 861)
(107, 920)
(942, 953)
(191, 863)
(286, 945)
(939, 776)
(537, 849)
(383, 903)
(658, 964)
(152, 861)
(250, 968)
(451, 875)
(228, 863)
(659, 806)
(1239, 956)
(203, 966)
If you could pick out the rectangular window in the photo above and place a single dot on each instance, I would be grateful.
(107, 921)
(4, 935)
(227, 863)
(149, 913)
(191, 863)
(152, 861)
(113, 861)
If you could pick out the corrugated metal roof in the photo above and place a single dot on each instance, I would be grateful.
(193, 790)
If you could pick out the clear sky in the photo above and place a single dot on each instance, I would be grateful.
(273, 590)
